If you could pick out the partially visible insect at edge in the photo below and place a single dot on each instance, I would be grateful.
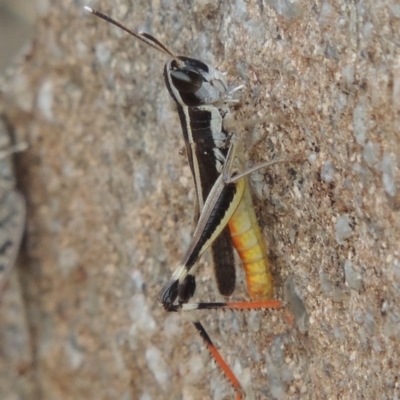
(12, 210)
(225, 213)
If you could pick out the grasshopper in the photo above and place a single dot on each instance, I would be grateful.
(12, 209)
(225, 214)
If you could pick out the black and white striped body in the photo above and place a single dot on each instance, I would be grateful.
(199, 91)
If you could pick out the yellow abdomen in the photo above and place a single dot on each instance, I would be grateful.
(248, 241)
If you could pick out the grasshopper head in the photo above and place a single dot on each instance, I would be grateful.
(192, 82)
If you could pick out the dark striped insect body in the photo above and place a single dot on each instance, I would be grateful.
(196, 87)
(12, 210)
(225, 214)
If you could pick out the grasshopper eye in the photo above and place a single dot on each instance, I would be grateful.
(186, 81)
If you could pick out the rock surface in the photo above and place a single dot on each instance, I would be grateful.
(110, 201)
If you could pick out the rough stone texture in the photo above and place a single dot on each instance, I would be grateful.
(110, 200)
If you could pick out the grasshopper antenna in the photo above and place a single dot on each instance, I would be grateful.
(144, 37)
